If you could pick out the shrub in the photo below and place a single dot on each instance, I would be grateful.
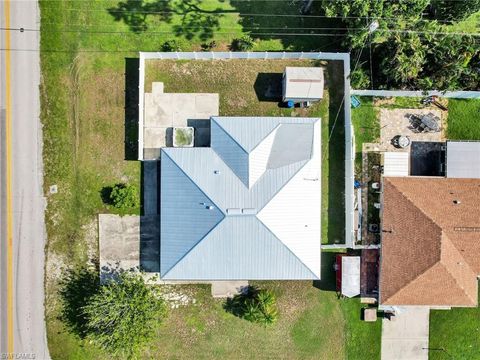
(125, 196)
(123, 315)
(359, 79)
(209, 46)
(170, 46)
(255, 305)
(244, 43)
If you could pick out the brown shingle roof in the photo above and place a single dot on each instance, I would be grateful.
(430, 241)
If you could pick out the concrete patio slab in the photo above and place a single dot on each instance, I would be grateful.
(406, 336)
(167, 110)
(395, 122)
(224, 289)
(154, 137)
(128, 242)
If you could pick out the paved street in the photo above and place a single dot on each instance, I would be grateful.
(22, 326)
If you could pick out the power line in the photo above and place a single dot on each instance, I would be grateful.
(149, 33)
(222, 12)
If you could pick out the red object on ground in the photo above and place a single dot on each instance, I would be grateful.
(338, 271)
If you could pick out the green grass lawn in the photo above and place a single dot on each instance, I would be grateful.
(455, 333)
(463, 122)
(366, 125)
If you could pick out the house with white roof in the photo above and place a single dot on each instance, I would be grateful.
(247, 207)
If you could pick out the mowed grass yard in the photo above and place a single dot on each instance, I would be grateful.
(88, 115)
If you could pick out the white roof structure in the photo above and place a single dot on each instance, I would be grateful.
(396, 163)
(248, 207)
(350, 276)
(303, 84)
(463, 159)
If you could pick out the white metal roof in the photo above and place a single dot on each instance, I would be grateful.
(350, 276)
(396, 163)
(463, 159)
(247, 207)
(304, 83)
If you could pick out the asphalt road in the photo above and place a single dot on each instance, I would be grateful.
(26, 326)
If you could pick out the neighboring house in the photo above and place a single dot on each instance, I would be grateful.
(247, 207)
(430, 252)
(303, 84)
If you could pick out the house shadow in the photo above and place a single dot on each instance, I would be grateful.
(202, 131)
(268, 87)
(336, 153)
(327, 275)
(149, 248)
(131, 108)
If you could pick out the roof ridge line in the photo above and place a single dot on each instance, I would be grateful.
(286, 247)
(415, 278)
(208, 232)
(417, 207)
(228, 134)
(281, 187)
(448, 270)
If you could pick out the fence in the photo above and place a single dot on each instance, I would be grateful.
(349, 135)
(407, 93)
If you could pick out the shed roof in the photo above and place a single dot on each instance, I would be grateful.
(396, 163)
(303, 83)
(248, 207)
(463, 159)
(350, 276)
(430, 241)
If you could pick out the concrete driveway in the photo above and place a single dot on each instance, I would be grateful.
(406, 337)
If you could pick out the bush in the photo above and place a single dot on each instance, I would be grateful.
(123, 315)
(170, 46)
(359, 79)
(244, 43)
(124, 196)
(209, 46)
(255, 305)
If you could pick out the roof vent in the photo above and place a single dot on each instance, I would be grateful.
(209, 207)
(216, 172)
(457, 202)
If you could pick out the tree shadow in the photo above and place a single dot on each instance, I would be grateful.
(77, 287)
(194, 20)
(258, 18)
(131, 108)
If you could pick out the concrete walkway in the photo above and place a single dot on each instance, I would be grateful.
(406, 337)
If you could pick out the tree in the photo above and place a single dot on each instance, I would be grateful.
(254, 305)
(122, 316)
(359, 14)
(409, 50)
(454, 10)
(125, 196)
(404, 59)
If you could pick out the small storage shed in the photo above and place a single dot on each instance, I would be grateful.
(348, 275)
(396, 163)
(301, 84)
